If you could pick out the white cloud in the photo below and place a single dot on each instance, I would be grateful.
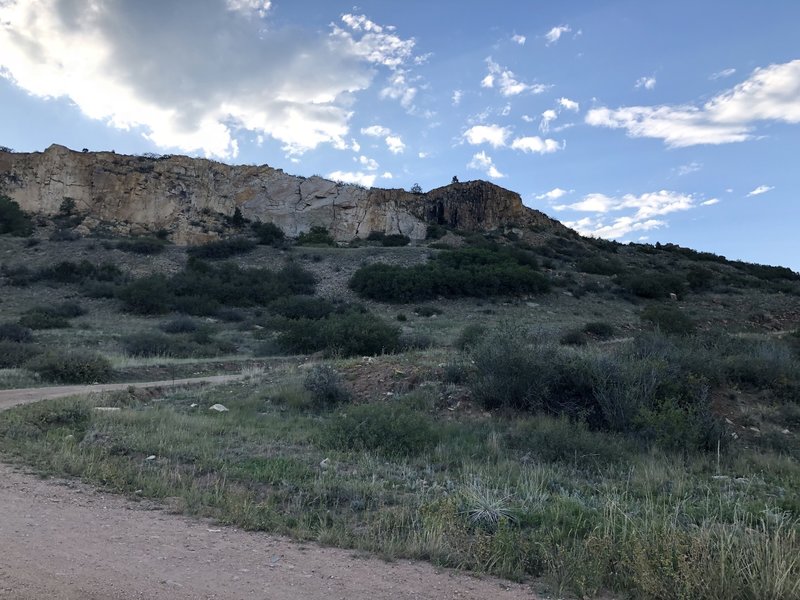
(494, 135)
(423, 155)
(536, 144)
(770, 94)
(376, 131)
(400, 89)
(762, 189)
(710, 202)
(457, 96)
(505, 80)
(393, 141)
(368, 163)
(483, 162)
(506, 110)
(527, 118)
(641, 210)
(647, 83)
(555, 33)
(355, 146)
(518, 39)
(568, 104)
(395, 144)
(195, 79)
(688, 168)
(387, 175)
(547, 116)
(357, 177)
(722, 74)
(553, 194)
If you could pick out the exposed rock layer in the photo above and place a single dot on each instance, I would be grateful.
(136, 194)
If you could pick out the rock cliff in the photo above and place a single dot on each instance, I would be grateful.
(189, 198)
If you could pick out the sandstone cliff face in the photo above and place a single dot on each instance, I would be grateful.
(133, 194)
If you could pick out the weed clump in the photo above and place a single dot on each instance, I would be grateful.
(72, 367)
(316, 236)
(221, 249)
(13, 220)
(325, 386)
(14, 332)
(340, 334)
(268, 234)
(393, 430)
(669, 319)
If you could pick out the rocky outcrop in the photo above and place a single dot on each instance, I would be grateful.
(189, 197)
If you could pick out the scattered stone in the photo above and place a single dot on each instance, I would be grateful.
(151, 457)
(324, 463)
(219, 408)
(107, 408)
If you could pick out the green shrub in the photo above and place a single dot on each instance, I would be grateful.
(181, 324)
(72, 367)
(347, 334)
(699, 278)
(325, 386)
(14, 332)
(395, 239)
(268, 234)
(435, 232)
(470, 336)
(16, 354)
(652, 284)
(392, 430)
(454, 273)
(598, 265)
(375, 236)
(12, 219)
(142, 245)
(81, 272)
(221, 249)
(599, 329)
(574, 338)
(669, 319)
(43, 318)
(680, 428)
(299, 307)
(197, 345)
(317, 236)
(149, 295)
(427, 311)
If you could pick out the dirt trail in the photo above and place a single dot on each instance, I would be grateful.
(9, 398)
(64, 540)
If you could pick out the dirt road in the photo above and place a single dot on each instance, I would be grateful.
(9, 398)
(63, 540)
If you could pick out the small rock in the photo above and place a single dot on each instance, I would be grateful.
(324, 463)
(107, 408)
(786, 432)
(218, 408)
(151, 457)
(193, 405)
(756, 429)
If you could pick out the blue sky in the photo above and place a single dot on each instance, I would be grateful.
(638, 121)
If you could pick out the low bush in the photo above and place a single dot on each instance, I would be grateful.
(16, 354)
(202, 288)
(13, 332)
(427, 311)
(598, 265)
(393, 430)
(435, 232)
(299, 307)
(181, 324)
(599, 329)
(325, 386)
(316, 236)
(268, 234)
(43, 318)
(72, 367)
(340, 334)
(13, 220)
(221, 249)
(454, 273)
(142, 245)
(652, 284)
(574, 338)
(668, 319)
(395, 239)
(470, 336)
(197, 345)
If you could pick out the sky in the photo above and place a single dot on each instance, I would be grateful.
(636, 121)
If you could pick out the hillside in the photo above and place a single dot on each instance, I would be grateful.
(493, 393)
